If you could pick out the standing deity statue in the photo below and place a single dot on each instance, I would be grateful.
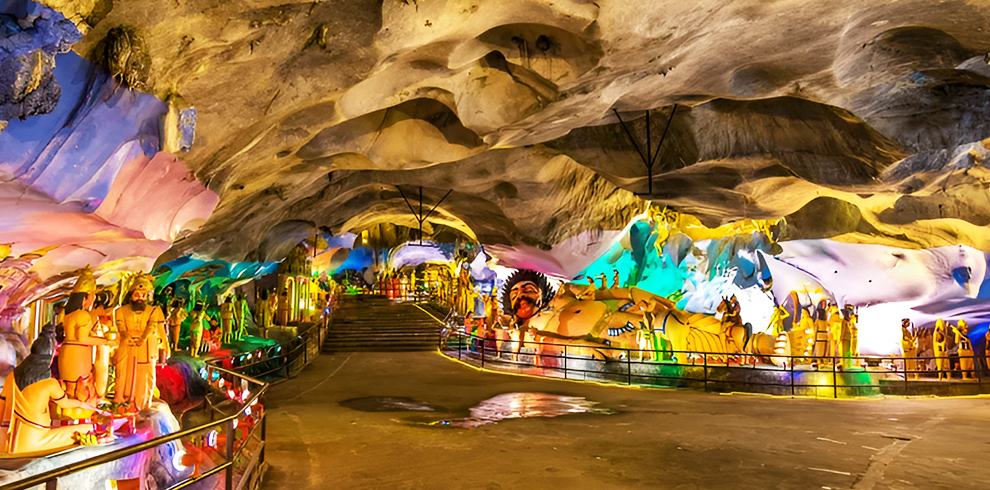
(941, 350)
(241, 314)
(176, 315)
(909, 349)
(264, 313)
(965, 351)
(196, 329)
(141, 327)
(227, 320)
(83, 360)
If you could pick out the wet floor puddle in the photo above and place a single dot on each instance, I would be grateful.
(386, 404)
(502, 407)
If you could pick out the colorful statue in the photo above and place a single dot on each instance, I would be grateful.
(850, 337)
(965, 349)
(732, 327)
(465, 292)
(196, 329)
(941, 350)
(227, 319)
(599, 321)
(176, 315)
(141, 327)
(821, 331)
(83, 359)
(909, 349)
(25, 419)
(241, 313)
(263, 313)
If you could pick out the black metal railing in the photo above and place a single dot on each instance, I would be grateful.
(287, 362)
(830, 376)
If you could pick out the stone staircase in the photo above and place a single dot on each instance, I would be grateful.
(372, 323)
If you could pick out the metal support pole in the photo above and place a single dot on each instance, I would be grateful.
(264, 435)
(705, 373)
(791, 362)
(905, 375)
(565, 361)
(629, 367)
(835, 384)
(482, 350)
(229, 478)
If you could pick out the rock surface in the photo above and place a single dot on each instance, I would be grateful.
(859, 121)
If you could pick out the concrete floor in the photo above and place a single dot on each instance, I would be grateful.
(671, 439)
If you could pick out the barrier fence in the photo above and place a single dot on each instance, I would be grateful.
(235, 407)
(829, 376)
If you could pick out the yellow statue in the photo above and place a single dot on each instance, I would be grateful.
(176, 315)
(83, 359)
(965, 351)
(141, 326)
(196, 329)
(909, 350)
(28, 391)
(600, 322)
(941, 350)
(227, 320)
(850, 337)
(777, 320)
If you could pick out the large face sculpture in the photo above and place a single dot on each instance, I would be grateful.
(526, 298)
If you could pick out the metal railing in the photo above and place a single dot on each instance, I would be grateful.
(830, 376)
(228, 422)
(289, 360)
(299, 353)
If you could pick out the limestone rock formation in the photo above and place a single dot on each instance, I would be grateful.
(858, 121)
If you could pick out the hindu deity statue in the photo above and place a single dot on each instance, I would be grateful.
(141, 326)
(28, 392)
(241, 314)
(965, 349)
(227, 319)
(941, 349)
(83, 359)
(909, 349)
(196, 329)
(176, 315)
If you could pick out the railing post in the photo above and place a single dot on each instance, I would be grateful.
(835, 384)
(705, 370)
(628, 367)
(791, 363)
(51, 484)
(979, 371)
(229, 478)
(565, 361)
(905, 376)
(264, 435)
(482, 350)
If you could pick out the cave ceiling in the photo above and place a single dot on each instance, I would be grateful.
(861, 121)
